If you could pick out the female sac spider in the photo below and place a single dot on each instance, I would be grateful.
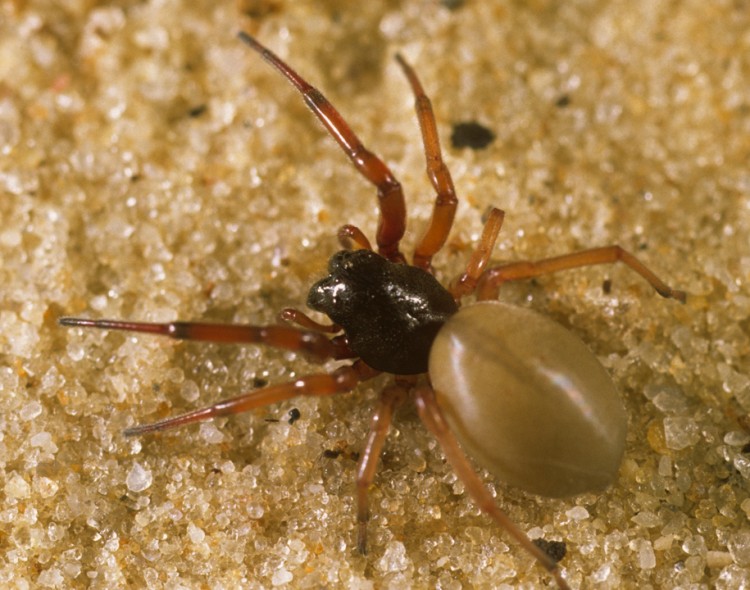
(511, 388)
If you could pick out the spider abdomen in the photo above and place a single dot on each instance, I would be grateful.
(390, 312)
(528, 400)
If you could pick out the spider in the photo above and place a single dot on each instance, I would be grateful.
(501, 384)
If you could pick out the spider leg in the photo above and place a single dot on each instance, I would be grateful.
(494, 277)
(392, 221)
(390, 397)
(433, 419)
(438, 173)
(312, 343)
(467, 282)
(341, 380)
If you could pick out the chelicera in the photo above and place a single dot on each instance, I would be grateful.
(504, 385)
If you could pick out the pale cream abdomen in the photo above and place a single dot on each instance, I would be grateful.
(528, 400)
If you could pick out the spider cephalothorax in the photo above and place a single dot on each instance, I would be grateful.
(390, 312)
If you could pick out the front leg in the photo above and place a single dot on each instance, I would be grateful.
(309, 342)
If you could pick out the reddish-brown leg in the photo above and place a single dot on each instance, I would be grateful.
(494, 277)
(390, 195)
(438, 173)
(313, 344)
(467, 282)
(341, 380)
(390, 398)
(432, 417)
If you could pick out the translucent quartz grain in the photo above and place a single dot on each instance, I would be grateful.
(139, 478)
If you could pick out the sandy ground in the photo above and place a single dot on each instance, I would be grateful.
(152, 167)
